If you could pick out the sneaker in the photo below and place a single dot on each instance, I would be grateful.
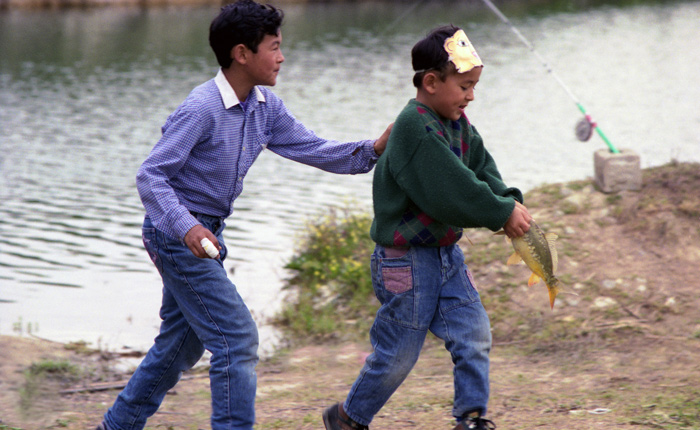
(335, 418)
(475, 423)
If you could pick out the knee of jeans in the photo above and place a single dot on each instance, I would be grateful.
(479, 344)
(241, 347)
(243, 355)
(482, 342)
(405, 357)
(478, 331)
(253, 337)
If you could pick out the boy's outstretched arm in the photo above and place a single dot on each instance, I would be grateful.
(519, 221)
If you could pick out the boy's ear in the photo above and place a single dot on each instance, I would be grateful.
(240, 53)
(429, 81)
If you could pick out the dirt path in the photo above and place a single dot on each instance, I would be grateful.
(622, 354)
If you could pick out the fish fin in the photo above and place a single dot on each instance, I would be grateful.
(533, 280)
(514, 259)
(552, 242)
(552, 296)
(555, 289)
(502, 233)
(468, 240)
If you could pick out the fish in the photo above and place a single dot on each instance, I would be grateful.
(538, 251)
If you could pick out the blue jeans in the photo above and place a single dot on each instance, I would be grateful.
(201, 310)
(425, 289)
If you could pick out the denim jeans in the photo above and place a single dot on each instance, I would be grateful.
(201, 310)
(425, 289)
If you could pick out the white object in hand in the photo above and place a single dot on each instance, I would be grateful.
(209, 248)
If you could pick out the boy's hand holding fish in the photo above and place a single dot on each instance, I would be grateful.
(519, 221)
(538, 251)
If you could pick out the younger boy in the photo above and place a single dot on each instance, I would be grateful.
(188, 185)
(434, 179)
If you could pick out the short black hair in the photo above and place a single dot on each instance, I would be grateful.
(246, 22)
(429, 54)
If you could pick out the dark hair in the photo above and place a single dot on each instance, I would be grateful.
(245, 22)
(429, 54)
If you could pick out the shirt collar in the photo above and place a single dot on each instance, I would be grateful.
(228, 95)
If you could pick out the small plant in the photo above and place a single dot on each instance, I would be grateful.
(331, 277)
(20, 328)
(60, 369)
(80, 347)
(39, 372)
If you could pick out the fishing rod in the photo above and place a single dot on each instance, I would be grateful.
(585, 127)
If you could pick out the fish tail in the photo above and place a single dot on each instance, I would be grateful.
(554, 288)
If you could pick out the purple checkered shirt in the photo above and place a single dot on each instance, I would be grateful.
(210, 142)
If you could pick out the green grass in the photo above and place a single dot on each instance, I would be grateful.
(37, 375)
(678, 410)
(332, 280)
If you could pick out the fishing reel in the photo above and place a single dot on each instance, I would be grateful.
(584, 128)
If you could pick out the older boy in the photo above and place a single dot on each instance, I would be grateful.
(435, 178)
(188, 185)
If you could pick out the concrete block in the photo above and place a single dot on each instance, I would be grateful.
(617, 172)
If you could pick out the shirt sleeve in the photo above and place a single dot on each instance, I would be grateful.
(182, 130)
(292, 140)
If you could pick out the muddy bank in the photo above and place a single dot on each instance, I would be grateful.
(621, 353)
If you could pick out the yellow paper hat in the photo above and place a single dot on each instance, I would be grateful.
(462, 53)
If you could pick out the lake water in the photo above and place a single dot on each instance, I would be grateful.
(83, 94)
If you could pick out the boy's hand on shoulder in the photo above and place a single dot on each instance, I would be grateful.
(195, 236)
(380, 144)
(519, 221)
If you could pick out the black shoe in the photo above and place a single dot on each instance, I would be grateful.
(102, 426)
(335, 418)
(475, 423)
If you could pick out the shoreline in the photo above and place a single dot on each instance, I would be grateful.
(594, 361)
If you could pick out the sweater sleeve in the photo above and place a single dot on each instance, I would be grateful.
(441, 185)
(484, 166)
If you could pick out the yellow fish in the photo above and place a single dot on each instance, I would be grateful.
(539, 253)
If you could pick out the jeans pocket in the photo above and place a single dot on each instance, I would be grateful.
(151, 244)
(397, 280)
(462, 291)
(394, 287)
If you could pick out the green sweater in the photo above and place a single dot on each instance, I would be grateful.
(434, 179)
